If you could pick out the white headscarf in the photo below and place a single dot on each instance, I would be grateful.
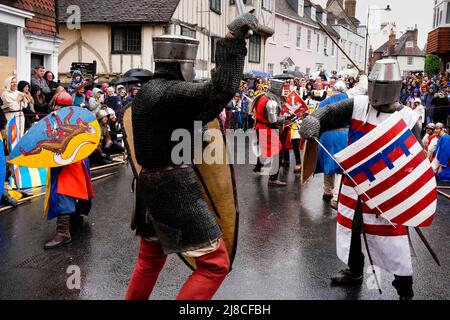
(7, 83)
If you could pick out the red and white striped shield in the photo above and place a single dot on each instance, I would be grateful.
(392, 174)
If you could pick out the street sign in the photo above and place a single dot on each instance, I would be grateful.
(85, 68)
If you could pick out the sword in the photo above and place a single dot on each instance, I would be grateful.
(427, 244)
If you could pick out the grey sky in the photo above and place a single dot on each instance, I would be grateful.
(405, 13)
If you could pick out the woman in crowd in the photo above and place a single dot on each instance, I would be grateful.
(133, 92)
(114, 102)
(309, 91)
(122, 94)
(49, 77)
(13, 104)
(28, 104)
(320, 94)
(96, 101)
(41, 107)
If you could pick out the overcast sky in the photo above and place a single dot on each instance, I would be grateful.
(405, 13)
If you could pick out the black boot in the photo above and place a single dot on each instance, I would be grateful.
(404, 286)
(346, 277)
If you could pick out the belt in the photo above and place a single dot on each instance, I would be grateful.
(165, 168)
(269, 125)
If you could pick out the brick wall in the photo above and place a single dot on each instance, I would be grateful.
(44, 20)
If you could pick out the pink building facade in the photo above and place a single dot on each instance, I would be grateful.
(294, 44)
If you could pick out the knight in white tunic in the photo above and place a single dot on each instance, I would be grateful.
(387, 244)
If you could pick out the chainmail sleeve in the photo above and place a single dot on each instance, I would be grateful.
(332, 117)
(208, 99)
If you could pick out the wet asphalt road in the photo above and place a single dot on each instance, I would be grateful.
(286, 249)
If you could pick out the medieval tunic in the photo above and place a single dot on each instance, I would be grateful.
(69, 190)
(388, 244)
(443, 156)
(268, 134)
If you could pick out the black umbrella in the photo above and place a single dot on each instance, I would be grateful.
(127, 80)
(142, 74)
(284, 76)
(297, 74)
(112, 83)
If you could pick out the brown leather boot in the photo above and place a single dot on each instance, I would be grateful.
(62, 236)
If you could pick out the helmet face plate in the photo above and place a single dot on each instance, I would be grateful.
(177, 49)
(276, 87)
(385, 83)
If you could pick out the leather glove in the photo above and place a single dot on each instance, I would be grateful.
(242, 25)
(310, 128)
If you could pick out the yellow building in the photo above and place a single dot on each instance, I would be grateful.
(118, 35)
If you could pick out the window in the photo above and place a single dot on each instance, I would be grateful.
(301, 8)
(188, 32)
(267, 5)
(409, 44)
(350, 47)
(214, 41)
(299, 37)
(255, 49)
(216, 6)
(325, 44)
(410, 61)
(313, 13)
(318, 42)
(333, 49)
(309, 40)
(324, 18)
(448, 14)
(126, 39)
(8, 41)
(286, 34)
(270, 68)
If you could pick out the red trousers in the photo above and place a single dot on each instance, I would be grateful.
(201, 285)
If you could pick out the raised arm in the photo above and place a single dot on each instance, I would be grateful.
(334, 116)
(213, 96)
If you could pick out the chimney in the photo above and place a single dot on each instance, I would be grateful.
(350, 8)
(415, 35)
(391, 43)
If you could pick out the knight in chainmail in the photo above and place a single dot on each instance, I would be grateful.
(172, 212)
(269, 121)
(388, 244)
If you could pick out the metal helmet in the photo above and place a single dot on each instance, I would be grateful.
(385, 83)
(177, 49)
(276, 87)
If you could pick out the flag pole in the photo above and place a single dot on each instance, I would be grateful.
(419, 232)
(351, 179)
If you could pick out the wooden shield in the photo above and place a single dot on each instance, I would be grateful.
(310, 157)
(219, 185)
(217, 181)
(128, 138)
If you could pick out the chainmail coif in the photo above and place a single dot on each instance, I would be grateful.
(163, 106)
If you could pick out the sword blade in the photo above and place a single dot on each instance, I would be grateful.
(240, 6)
(427, 244)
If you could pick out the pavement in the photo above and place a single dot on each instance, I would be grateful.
(286, 249)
